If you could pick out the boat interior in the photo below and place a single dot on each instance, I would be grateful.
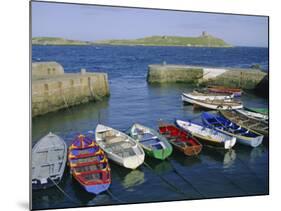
(117, 144)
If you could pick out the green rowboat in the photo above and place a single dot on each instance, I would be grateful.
(151, 141)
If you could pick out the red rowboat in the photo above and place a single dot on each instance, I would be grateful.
(89, 165)
(221, 89)
(180, 139)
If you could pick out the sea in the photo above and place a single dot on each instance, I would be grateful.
(242, 171)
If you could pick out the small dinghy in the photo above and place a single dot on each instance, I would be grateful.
(89, 165)
(207, 135)
(119, 147)
(201, 95)
(237, 92)
(254, 115)
(246, 122)
(180, 139)
(152, 142)
(48, 161)
(219, 104)
(243, 135)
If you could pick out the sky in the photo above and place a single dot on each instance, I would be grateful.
(92, 23)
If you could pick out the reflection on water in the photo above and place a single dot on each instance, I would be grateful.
(133, 179)
(229, 158)
(186, 160)
(257, 153)
(158, 166)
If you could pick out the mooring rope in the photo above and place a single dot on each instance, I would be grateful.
(65, 102)
(64, 193)
(114, 197)
(183, 178)
(249, 169)
(233, 183)
(166, 181)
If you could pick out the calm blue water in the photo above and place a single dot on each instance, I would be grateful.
(215, 173)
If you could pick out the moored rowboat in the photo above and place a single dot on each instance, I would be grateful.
(48, 161)
(89, 165)
(243, 135)
(246, 122)
(151, 141)
(196, 95)
(207, 135)
(180, 139)
(119, 147)
(213, 104)
(253, 115)
(221, 89)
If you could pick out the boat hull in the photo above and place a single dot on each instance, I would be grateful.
(193, 150)
(199, 103)
(198, 96)
(156, 146)
(161, 154)
(206, 135)
(254, 142)
(246, 122)
(132, 161)
(88, 165)
(249, 141)
(37, 184)
(180, 140)
(235, 92)
(254, 115)
(46, 172)
(96, 189)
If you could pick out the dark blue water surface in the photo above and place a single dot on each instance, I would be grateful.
(214, 173)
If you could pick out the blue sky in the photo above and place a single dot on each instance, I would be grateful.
(90, 23)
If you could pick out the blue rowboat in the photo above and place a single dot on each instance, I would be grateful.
(243, 135)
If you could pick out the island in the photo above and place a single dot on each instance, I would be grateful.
(57, 41)
(204, 40)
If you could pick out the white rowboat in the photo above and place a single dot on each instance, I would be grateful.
(207, 96)
(119, 147)
(253, 115)
(228, 104)
(209, 136)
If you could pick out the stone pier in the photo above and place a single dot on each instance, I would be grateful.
(197, 75)
(52, 89)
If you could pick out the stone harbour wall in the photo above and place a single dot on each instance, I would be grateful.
(230, 77)
(59, 91)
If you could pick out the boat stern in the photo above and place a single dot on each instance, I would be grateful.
(133, 162)
(228, 144)
(257, 141)
(97, 188)
(162, 154)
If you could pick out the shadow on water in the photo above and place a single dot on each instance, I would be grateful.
(184, 160)
(78, 118)
(159, 166)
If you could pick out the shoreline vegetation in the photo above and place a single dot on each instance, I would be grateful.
(204, 40)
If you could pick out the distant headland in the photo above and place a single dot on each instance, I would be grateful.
(204, 40)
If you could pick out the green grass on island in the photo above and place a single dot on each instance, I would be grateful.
(205, 40)
(56, 41)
